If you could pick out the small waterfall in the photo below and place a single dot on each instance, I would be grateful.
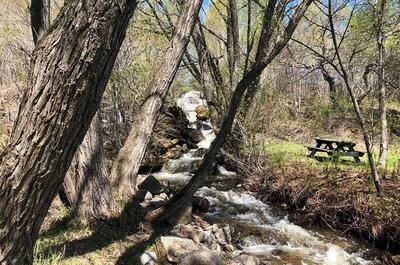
(276, 238)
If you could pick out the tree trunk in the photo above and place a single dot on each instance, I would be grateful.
(126, 166)
(232, 32)
(86, 185)
(70, 69)
(40, 18)
(250, 77)
(263, 46)
(331, 84)
(383, 147)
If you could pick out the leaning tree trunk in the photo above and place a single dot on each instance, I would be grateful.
(343, 72)
(86, 187)
(166, 211)
(127, 164)
(70, 69)
(383, 147)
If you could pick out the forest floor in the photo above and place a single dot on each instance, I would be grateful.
(338, 195)
(64, 240)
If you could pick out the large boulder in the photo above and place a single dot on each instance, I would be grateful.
(176, 247)
(204, 257)
(202, 113)
(152, 185)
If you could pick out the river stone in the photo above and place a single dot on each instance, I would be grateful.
(152, 185)
(174, 153)
(176, 247)
(141, 194)
(202, 113)
(204, 257)
(170, 143)
(396, 259)
(200, 152)
(148, 258)
(248, 260)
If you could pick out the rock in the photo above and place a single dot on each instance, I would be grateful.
(248, 260)
(148, 196)
(221, 236)
(203, 125)
(200, 204)
(182, 165)
(200, 222)
(204, 257)
(152, 185)
(207, 237)
(174, 153)
(176, 247)
(170, 143)
(182, 216)
(163, 196)
(202, 113)
(193, 134)
(396, 259)
(228, 247)
(141, 194)
(148, 258)
(200, 152)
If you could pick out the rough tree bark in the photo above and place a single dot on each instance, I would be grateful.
(70, 69)
(86, 187)
(233, 49)
(127, 164)
(248, 80)
(384, 140)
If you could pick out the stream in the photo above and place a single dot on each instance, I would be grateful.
(263, 231)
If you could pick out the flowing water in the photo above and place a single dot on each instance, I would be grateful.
(264, 232)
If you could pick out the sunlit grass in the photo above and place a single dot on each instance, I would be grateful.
(281, 153)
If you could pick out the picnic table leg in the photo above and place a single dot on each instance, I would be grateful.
(312, 154)
(356, 158)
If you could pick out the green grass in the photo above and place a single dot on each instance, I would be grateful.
(279, 154)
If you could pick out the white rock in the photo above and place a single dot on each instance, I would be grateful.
(148, 258)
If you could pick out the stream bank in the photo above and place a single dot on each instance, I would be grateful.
(341, 201)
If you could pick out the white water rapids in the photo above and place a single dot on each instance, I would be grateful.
(274, 238)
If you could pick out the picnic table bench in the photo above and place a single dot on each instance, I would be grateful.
(335, 148)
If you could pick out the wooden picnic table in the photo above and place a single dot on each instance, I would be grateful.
(335, 148)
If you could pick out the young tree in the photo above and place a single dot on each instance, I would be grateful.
(71, 66)
(127, 164)
(380, 41)
(271, 12)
